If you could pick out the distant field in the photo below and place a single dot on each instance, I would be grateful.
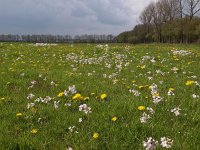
(93, 96)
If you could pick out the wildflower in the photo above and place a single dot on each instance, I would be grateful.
(2, 98)
(77, 96)
(170, 92)
(176, 111)
(114, 118)
(195, 96)
(189, 82)
(34, 131)
(141, 87)
(85, 108)
(166, 142)
(155, 94)
(30, 105)
(72, 128)
(135, 92)
(72, 89)
(86, 98)
(69, 148)
(141, 107)
(151, 111)
(53, 83)
(68, 104)
(18, 114)
(66, 93)
(95, 135)
(56, 104)
(150, 144)
(144, 118)
(103, 96)
(30, 96)
(80, 119)
(61, 94)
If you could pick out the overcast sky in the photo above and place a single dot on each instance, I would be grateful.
(69, 16)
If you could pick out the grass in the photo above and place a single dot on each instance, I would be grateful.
(96, 69)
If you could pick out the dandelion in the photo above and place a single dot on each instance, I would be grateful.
(150, 144)
(103, 96)
(166, 142)
(77, 96)
(95, 135)
(141, 107)
(189, 82)
(114, 119)
(34, 131)
(86, 98)
(61, 94)
(19, 114)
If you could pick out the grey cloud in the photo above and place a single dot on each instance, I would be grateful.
(69, 16)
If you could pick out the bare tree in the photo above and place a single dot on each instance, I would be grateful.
(193, 7)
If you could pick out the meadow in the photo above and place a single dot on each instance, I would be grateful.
(99, 96)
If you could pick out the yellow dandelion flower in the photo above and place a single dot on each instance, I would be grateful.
(77, 96)
(114, 118)
(141, 86)
(103, 96)
(133, 81)
(141, 107)
(18, 114)
(142, 67)
(2, 98)
(189, 82)
(60, 94)
(95, 135)
(171, 89)
(34, 131)
(86, 98)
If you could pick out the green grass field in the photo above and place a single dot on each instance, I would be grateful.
(134, 92)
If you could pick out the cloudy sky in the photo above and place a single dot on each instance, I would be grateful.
(69, 16)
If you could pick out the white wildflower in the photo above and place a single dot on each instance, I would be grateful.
(30, 105)
(135, 92)
(170, 92)
(68, 104)
(150, 144)
(166, 142)
(30, 96)
(72, 89)
(195, 96)
(151, 111)
(56, 104)
(85, 108)
(144, 118)
(176, 111)
(80, 120)
(53, 83)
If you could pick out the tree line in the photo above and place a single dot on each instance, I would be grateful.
(58, 38)
(166, 21)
